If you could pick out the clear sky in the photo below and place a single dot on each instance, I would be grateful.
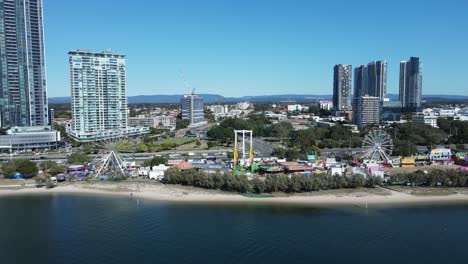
(255, 47)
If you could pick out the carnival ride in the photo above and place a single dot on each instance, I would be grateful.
(240, 165)
(378, 146)
(112, 164)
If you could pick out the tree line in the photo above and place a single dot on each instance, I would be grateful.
(456, 129)
(269, 184)
(446, 178)
(28, 168)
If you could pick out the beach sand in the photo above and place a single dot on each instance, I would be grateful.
(173, 193)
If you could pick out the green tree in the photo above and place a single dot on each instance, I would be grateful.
(182, 123)
(87, 149)
(154, 162)
(78, 158)
(303, 139)
(210, 144)
(221, 134)
(358, 181)
(22, 166)
(281, 130)
(52, 168)
(141, 147)
(259, 186)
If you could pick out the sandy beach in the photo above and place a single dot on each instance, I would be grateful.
(172, 193)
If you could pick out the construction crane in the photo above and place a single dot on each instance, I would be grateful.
(186, 83)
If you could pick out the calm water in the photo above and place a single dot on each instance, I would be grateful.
(83, 229)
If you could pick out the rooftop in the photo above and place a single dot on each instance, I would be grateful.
(104, 54)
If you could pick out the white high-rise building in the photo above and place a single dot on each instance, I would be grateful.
(367, 111)
(99, 96)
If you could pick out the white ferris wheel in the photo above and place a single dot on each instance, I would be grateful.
(378, 146)
(111, 162)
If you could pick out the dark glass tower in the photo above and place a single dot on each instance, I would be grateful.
(371, 80)
(377, 79)
(360, 81)
(411, 84)
(23, 96)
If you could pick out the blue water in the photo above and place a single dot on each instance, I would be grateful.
(87, 229)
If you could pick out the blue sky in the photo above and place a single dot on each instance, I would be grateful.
(254, 47)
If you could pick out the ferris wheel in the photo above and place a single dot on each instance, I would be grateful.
(111, 161)
(378, 146)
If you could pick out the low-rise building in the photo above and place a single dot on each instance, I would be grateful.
(441, 155)
(324, 124)
(107, 134)
(243, 105)
(425, 119)
(159, 122)
(219, 109)
(325, 105)
(295, 108)
(29, 138)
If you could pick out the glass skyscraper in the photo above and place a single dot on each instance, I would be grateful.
(23, 92)
(342, 87)
(360, 81)
(371, 80)
(377, 79)
(411, 84)
(192, 107)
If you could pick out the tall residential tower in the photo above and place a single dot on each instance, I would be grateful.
(360, 81)
(99, 95)
(411, 84)
(23, 93)
(342, 88)
(371, 80)
(377, 79)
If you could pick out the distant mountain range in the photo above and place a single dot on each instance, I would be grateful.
(216, 98)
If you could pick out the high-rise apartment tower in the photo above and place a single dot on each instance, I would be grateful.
(342, 88)
(411, 84)
(98, 94)
(371, 80)
(23, 92)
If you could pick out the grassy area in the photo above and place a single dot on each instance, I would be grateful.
(153, 146)
(177, 141)
(16, 181)
(392, 171)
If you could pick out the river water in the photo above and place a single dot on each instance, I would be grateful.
(64, 228)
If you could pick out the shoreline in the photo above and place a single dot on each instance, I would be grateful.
(181, 194)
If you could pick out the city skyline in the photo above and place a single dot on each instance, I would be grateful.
(245, 49)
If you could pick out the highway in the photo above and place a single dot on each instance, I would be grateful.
(137, 156)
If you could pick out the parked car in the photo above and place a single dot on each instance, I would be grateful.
(61, 178)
